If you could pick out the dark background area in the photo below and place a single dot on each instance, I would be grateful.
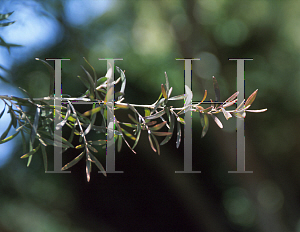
(149, 196)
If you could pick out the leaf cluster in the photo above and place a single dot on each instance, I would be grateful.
(157, 119)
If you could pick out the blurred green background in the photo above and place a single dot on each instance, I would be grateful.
(149, 35)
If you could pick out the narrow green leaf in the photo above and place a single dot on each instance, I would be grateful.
(80, 146)
(216, 88)
(163, 91)
(167, 83)
(128, 124)
(93, 111)
(156, 115)
(119, 145)
(151, 123)
(171, 129)
(158, 126)
(63, 140)
(205, 123)
(52, 76)
(74, 161)
(23, 141)
(139, 130)
(9, 138)
(98, 164)
(91, 82)
(179, 97)
(31, 152)
(45, 158)
(156, 143)
(97, 142)
(85, 82)
(1, 114)
(5, 133)
(6, 24)
(95, 74)
(151, 143)
(128, 134)
(92, 148)
(5, 16)
(181, 120)
(133, 119)
(35, 124)
(161, 133)
(178, 134)
(90, 125)
(123, 78)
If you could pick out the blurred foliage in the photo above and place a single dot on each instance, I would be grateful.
(149, 196)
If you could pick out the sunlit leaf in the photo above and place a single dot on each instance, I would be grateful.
(128, 124)
(189, 97)
(181, 120)
(9, 138)
(257, 111)
(163, 91)
(31, 152)
(74, 161)
(123, 78)
(121, 106)
(92, 111)
(227, 115)
(217, 120)
(128, 134)
(251, 98)
(170, 91)
(88, 167)
(63, 122)
(88, 129)
(80, 146)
